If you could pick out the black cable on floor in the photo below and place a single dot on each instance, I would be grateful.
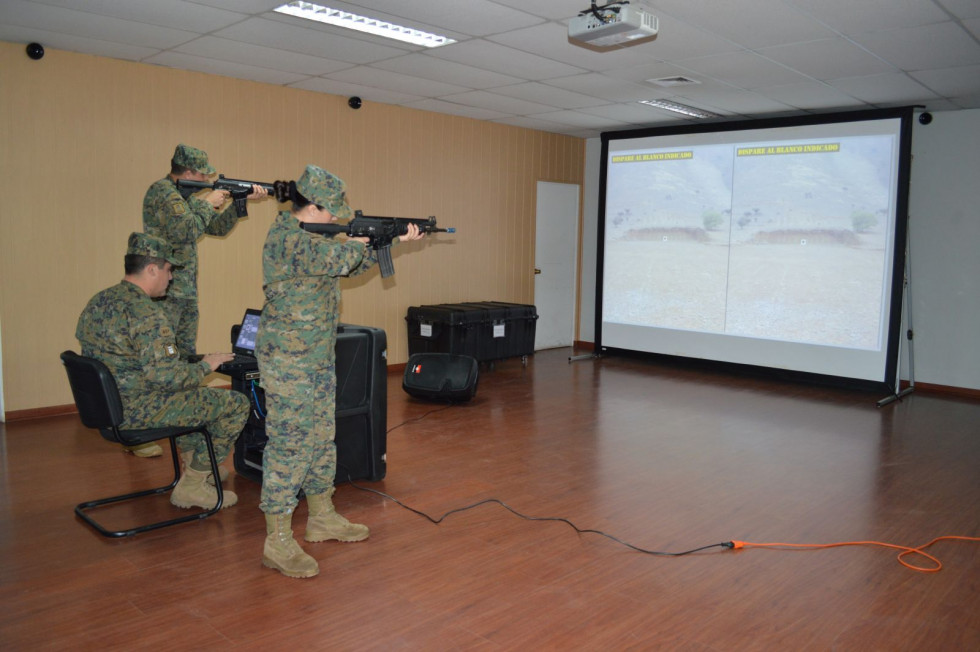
(437, 521)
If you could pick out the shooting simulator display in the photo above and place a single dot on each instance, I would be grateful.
(774, 243)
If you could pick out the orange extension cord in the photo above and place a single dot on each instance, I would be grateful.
(738, 545)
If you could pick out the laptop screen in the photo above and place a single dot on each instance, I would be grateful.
(246, 335)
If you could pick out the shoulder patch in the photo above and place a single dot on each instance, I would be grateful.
(178, 206)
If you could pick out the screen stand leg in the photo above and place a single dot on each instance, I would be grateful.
(907, 298)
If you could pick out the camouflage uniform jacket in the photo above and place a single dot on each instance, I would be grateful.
(130, 333)
(182, 223)
(302, 291)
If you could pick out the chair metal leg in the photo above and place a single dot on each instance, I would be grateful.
(80, 508)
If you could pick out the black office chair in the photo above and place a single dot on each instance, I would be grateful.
(100, 407)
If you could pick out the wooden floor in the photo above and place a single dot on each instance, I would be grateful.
(666, 459)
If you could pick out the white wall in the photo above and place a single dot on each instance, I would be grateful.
(944, 241)
(944, 244)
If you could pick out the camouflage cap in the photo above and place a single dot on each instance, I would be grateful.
(193, 158)
(144, 244)
(324, 189)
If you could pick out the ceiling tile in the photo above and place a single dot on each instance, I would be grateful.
(329, 45)
(256, 55)
(179, 14)
(470, 17)
(550, 95)
(828, 59)
(223, 68)
(578, 119)
(602, 87)
(744, 69)
(811, 95)
(70, 43)
(951, 82)
(730, 101)
(854, 17)
(91, 26)
(880, 89)
(758, 24)
(378, 78)
(943, 45)
(450, 72)
(495, 102)
(503, 59)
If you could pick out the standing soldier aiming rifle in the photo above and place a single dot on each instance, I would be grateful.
(295, 350)
(182, 221)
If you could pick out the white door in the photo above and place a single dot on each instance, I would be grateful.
(556, 256)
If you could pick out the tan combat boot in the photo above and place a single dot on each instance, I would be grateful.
(149, 449)
(325, 524)
(186, 457)
(194, 490)
(281, 550)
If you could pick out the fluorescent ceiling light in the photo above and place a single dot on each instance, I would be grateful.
(680, 108)
(322, 14)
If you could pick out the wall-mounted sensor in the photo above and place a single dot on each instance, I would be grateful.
(35, 50)
(354, 102)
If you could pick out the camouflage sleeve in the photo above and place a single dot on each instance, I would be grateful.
(179, 221)
(370, 260)
(308, 254)
(157, 349)
(223, 223)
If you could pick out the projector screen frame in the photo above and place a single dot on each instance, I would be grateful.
(896, 289)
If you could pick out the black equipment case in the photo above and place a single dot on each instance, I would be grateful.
(361, 415)
(485, 330)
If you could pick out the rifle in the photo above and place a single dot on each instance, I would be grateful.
(380, 230)
(239, 189)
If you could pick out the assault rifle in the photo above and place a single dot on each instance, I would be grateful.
(381, 232)
(239, 189)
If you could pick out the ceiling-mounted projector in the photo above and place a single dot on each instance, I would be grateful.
(613, 24)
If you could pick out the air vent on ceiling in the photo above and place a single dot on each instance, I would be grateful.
(673, 81)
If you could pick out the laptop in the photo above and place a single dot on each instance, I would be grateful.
(244, 346)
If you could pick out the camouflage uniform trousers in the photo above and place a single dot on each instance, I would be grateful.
(300, 453)
(184, 317)
(224, 412)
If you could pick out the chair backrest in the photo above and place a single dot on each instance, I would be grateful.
(95, 391)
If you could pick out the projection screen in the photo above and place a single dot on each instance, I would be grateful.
(772, 243)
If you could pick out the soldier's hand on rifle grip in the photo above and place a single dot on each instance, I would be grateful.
(217, 197)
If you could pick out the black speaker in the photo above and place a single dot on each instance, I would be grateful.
(441, 376)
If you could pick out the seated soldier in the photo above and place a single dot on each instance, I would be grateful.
(128, 331)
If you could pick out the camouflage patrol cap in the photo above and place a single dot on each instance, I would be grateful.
(144, 244)
(324, 189)
(193, 158)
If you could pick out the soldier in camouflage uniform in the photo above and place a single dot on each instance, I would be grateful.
(131, 334)
(295, 350)
(182, 222)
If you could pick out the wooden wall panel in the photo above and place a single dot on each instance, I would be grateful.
(82, 137)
